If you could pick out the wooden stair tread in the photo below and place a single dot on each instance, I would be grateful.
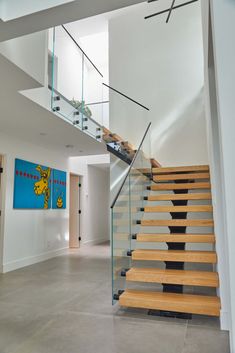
(178, 222)
(176, 238)
(195, 168)
(175, 255)
(181, 186)
(185, 303)
(196, 208)
(156, 275)
(169, 197)
(190, 176)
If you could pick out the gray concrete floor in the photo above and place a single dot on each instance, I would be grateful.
(63, 305)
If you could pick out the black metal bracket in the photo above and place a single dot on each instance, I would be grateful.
(123, 272)
(56, 109)
(171, 314)
(129, 252)
(117, 295)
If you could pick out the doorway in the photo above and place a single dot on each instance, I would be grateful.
(74, 212)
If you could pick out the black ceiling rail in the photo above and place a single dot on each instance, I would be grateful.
(124, 95)
(167, 10)
(76, 43)
(169, 14)
(130, 167)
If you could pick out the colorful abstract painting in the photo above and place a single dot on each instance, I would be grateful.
(32, 185)
(59, 189)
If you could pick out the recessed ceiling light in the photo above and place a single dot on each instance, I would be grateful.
(69, 146)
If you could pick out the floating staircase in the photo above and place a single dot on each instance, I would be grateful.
(185, 279)
(121, 148)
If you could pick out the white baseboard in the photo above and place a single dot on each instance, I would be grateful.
(95, 241)
(224, 321)
(27, 261)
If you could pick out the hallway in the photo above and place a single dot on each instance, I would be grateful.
(64, 305)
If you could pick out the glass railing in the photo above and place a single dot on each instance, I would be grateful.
(126, 213)
(75, 115)
(79, 95)
(75, 83)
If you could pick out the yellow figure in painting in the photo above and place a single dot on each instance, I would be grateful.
(59, 202)
(42, 187)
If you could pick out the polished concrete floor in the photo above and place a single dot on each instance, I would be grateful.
(63, 306)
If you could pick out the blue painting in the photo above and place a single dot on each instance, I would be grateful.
(32, 186)
(59, 189)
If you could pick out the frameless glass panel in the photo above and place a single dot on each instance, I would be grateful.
(121, 240)
(127, 118)
(66, 109)
(127, 212)
(67, 67)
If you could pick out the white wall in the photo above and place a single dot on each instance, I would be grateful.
(70, 65)
(95, 210)
(220, 114)
(161, 66)
(98, 203)
(29, 53)
(96, 47)
(30, 235)
(216, 165)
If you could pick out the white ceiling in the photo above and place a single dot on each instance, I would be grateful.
(22, 118)
(65, 13)
(10, 9)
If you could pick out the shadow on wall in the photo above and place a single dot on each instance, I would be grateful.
(180, 137)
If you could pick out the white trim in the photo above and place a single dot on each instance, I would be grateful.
(95, 241)
(224, 320)
(27, 261)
